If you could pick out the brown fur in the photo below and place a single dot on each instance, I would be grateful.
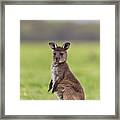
(66, 85)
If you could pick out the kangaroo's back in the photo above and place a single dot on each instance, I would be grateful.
(63, 82)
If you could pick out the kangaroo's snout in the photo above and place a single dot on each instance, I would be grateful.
(57, 59)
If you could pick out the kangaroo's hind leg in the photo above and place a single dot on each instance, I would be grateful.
(70, 94)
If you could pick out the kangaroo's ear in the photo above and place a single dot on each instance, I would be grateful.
(66, 45)
(52, 45)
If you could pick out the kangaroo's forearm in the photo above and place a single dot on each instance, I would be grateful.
(50, 85)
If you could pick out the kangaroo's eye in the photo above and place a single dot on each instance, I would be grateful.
(61, 54)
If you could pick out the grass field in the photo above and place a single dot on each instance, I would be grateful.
(35, 74)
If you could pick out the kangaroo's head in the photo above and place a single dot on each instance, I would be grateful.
(59, 52)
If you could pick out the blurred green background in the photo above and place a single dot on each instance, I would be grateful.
(36, 56)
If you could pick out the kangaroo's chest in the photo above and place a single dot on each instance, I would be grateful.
(55, 74)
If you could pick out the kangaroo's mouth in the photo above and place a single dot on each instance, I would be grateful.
(61, 61)
(58, 62)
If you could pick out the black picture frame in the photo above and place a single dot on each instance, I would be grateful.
(2, 65)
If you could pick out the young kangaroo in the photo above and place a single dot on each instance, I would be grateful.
(63, 82)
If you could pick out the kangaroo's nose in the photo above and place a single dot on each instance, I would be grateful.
(57, 59)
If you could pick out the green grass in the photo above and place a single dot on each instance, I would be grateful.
(35, 74)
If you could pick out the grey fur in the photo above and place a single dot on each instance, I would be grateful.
(63, 82)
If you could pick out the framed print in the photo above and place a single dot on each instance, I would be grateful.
(60, 60)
